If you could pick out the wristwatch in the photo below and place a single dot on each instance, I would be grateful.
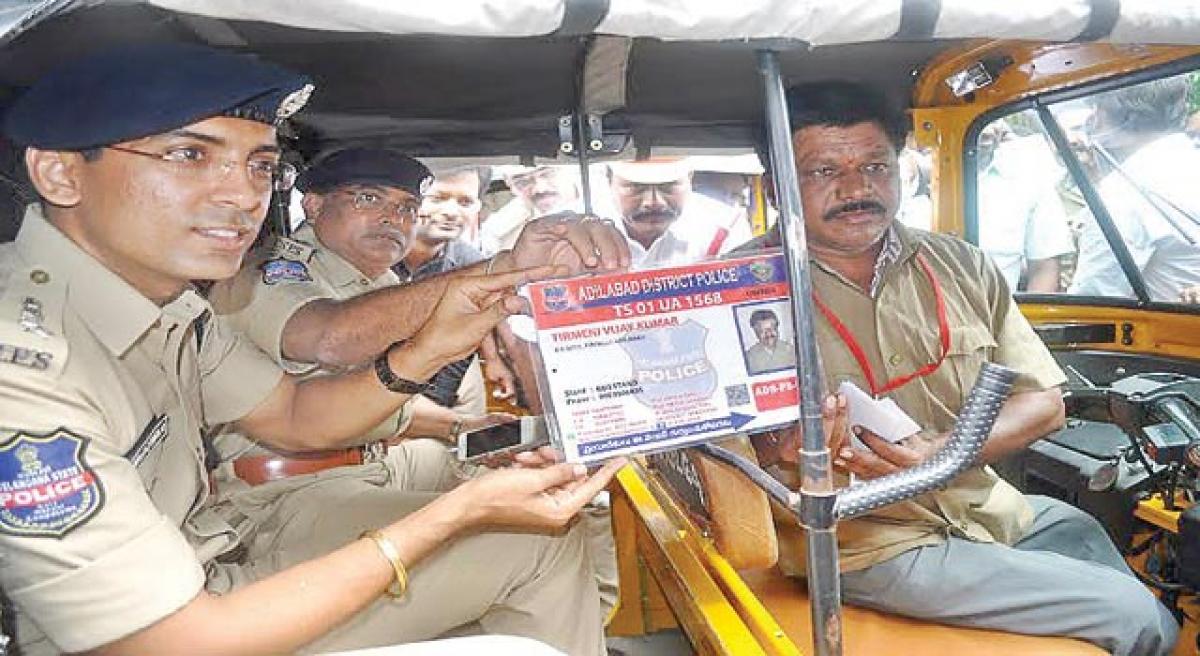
(395, 383)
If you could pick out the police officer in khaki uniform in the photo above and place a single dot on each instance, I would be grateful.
(913, 316)
(113, 366)
(359, 206)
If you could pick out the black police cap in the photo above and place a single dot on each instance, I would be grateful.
(377, 166)
(134, 92)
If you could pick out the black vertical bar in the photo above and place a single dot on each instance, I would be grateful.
(1095, 204)
(816, 488)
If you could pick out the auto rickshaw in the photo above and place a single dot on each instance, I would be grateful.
(579, 80)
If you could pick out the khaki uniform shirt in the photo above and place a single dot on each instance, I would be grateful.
(274, 283)
(898, 330)
(760, 358)
(104, 525)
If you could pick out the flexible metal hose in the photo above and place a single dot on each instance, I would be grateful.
(967, 438)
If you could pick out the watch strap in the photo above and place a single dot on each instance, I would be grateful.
(394, 383)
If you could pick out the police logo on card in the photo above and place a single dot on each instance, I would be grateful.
(672, 362)
(556, 298)
(276, 271)
(762, 270)
(47, 488)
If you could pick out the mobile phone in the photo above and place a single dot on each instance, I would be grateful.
(521, 434)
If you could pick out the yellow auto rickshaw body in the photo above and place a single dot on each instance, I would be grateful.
(577, 67)
(672, 573)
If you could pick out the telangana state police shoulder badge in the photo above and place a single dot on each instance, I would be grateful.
(282, 270)
(46, 487)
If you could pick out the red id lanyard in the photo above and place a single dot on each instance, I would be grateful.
(861, 357)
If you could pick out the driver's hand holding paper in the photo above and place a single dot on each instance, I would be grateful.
(880, 416)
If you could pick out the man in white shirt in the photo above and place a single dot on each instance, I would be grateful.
(1022, 225)
(664, 222)
(1151, 195)
(537, 191)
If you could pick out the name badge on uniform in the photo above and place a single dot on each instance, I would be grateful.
(152, 435)
(276, 271)
(25, 357)
(291, 249)
(47, 488)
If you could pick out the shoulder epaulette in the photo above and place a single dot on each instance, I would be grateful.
(31, 321)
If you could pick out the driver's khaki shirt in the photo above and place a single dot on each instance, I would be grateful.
(115, 397)
(898, 330)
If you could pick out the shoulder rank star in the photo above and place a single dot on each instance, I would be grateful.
(32, 319)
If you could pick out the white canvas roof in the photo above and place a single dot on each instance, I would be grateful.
(817, 22)
(473, 78)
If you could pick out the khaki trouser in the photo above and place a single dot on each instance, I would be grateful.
(596, 520)
(490, 645)
(278, 528)
(532, 585)
(1064, 577)
(472, 391)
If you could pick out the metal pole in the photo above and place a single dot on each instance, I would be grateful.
(816, 488)
(582, 144)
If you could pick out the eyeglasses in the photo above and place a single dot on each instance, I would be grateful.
(196, 162)
(526, 181)
(375, 203)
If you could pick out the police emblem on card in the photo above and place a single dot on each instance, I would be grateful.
(47, 488)
(671, 361)
(763, 270)
(556, 298)
(276, 271)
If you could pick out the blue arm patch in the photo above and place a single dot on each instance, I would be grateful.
(281, 270)
(47, 488)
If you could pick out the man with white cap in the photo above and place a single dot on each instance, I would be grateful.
(664, 222)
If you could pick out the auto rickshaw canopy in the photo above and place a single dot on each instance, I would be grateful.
(493, 77)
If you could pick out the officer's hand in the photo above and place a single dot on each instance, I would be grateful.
(580, 243)
(543, 456)
(783, 445)
(544, 498)
(470, 307)
(504, 384)
(882, 457)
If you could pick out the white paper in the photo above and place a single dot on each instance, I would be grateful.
(880, 416)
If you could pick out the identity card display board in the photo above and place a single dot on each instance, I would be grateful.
(653, 360)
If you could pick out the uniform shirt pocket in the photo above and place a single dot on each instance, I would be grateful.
(970, 347)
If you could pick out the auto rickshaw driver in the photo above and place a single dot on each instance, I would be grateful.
(914, 315)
